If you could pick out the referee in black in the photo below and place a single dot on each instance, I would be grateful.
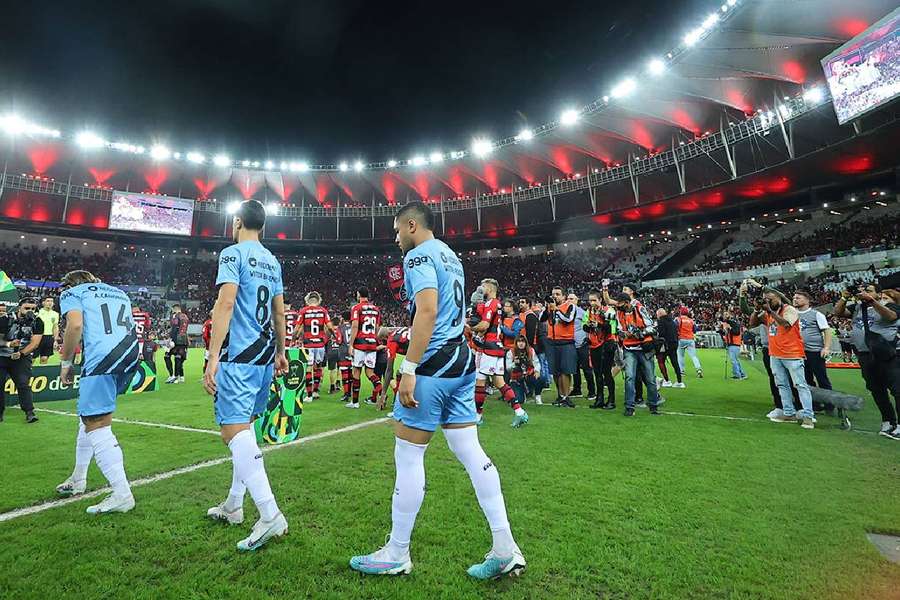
(20, 335)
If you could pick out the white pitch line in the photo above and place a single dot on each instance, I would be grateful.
(132, 422)
(30, 510)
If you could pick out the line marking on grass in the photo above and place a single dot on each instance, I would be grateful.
(30, 510)
(133, 422)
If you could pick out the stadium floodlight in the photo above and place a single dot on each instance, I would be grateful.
(732, 2)
(417, 161)
(196, 158)
(294, 167)
(221, 160)
(814, 95)
(391, 163)
(436, 157)
(784, 111)
(457, 154)
(245, 163)
(233, 207)
(160, 152)
(284, 166)
(177, 156)
(656, 66)
(89, 140)
(525, 135)
(482, 147)
(269, 165)
(711, 20)
(624, 88)
(13, 124)
(271, 208)
(343, 166)
(568, 117)
(358, 166)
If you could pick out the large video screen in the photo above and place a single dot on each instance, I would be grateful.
(153, 214)
(864, 73)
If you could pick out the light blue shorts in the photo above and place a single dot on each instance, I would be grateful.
(97, 393)
(242, 392)
(442, 401)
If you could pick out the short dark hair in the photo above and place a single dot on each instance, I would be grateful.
(804, 292)
(622, 297)
(27, 300)
(176, 305)
(346, 315)
(363, 292)
(596, 293)
(252, 214)
(419, 211)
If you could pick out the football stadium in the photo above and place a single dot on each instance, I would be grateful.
(361, 300)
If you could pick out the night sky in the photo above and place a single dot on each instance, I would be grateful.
(322, 81)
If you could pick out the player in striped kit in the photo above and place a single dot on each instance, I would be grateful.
(365, 319)
(316, 324)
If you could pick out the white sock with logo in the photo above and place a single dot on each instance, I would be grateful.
(486, 481)
(247, 460)
(236, 493)
(409, 492)
(109, 458)
(84, 452)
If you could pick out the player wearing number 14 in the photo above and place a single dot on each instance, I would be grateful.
(102, 315)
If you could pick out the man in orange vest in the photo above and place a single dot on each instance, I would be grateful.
(561, 354)
(686, 330)
(636, 329)
(786, 354)
(731, 330)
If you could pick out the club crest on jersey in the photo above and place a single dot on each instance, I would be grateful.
(395, 273)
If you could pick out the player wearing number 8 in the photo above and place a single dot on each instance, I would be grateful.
(365, 319)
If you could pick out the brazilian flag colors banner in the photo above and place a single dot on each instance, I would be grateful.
(280, 422)
(46, 384)
(8, 292)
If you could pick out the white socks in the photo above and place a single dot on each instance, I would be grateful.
(84, 452)
(109, 458)
(247, 462)
(409, 491)
(486, 481)
(236, 493)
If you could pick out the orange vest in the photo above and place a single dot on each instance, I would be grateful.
(597, 338)
(559, 331)
(733, 338)
(628, 319)
(508, 343)
(685, 328)
(784, 342)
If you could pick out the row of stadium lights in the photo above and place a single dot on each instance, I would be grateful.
(481, 147)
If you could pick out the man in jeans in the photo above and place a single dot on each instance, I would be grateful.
(583, 352)
(636, 330)
(816, 343)
(731, 334)
(785, 351)
(686, 330)
(882, 374)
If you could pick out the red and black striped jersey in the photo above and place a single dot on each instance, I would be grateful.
(367, 316)
(315, 320)
(207, 332)
(398, 342)
(291, 321)
(141, 325)
(490, 311)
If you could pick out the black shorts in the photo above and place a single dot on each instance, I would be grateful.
(846, 347)
(179, 351)
(332, 357)
(563, 358)
(45, 348)
(380, 364)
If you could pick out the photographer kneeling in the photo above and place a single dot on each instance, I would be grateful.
(22, 332)
(873, 334)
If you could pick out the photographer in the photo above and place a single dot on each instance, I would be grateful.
(601, 330)
(873, 334)
(636, 330)
(730, 330)
(786, 352)
(561, 354)
(21, 334)
(816, 342)
(583, 352)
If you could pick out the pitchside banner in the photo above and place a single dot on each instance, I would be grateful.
(46, 385)
(280, 422)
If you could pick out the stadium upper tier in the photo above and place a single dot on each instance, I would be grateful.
(734, 113)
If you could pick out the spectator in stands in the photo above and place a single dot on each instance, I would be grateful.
(732, 333)
(21, 334)
(874, 335)
(582, 351)
(668, 332)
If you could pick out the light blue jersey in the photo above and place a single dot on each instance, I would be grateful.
(433, 265)
(110, 344)
(445, 378)
(256, 272)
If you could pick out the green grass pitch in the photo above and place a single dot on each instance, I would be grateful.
(675, 506)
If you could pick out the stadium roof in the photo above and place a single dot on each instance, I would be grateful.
(747, 57)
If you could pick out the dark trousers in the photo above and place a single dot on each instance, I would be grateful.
(584, 365)
(816, 373)
(20, 372)
(670, 352)
(603, 358)
(882, 377)
(178, 353)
